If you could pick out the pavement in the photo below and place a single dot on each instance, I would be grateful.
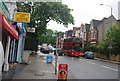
(36, 69)
(109, 61)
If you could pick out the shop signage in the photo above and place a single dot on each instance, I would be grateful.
(30, 29)
(62, 72)
(22, 17)
(4, 10)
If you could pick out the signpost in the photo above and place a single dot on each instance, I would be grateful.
(56, 56)
(63, 72)
(54, 35)
(22, 17)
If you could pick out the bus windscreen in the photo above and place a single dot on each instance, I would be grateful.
(76, 49)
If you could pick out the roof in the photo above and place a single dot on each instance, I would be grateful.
(74, 29)
(95, 23)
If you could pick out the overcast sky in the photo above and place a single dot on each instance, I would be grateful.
(86, 10)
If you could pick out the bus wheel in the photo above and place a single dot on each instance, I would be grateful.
(78, 56)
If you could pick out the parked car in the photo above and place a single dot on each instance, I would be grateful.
(45, 50)
(59, 51)
(89, 55)
(51, 48)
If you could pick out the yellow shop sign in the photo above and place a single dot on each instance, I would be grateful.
(22, 17)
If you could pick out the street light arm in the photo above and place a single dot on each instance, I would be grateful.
(108, 6)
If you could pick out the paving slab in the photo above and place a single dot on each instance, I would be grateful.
(37, 69)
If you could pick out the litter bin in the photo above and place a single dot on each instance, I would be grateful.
(49, 59)
(26, 57)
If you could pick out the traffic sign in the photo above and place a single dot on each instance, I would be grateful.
(54, 35)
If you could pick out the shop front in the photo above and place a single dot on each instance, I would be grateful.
(21, 42)
(14, 46)
(8, 33)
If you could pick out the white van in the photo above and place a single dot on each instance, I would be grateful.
(1, 58)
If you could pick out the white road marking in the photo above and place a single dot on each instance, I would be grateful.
(104, 66)
(72, 58)
(109, 68)
(92, 63)
(80, 59)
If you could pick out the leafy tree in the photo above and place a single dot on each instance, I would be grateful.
(113, 37)
(43, 12)
(47, 37)
(87, 46)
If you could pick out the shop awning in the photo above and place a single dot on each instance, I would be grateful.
(8, 28)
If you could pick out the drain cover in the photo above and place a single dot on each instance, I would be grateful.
(39, 74)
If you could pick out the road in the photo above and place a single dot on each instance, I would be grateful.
(80, 68)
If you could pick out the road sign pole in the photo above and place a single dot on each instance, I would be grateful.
(56, 56)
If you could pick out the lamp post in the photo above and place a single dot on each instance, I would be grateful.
(110, 46)
(108, 6)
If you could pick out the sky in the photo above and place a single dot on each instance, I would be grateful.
(86, 10)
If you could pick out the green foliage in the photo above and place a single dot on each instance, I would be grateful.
(113, 37)
(41, 14)
(87, 46)
(47, 38)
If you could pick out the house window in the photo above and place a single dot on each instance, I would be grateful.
(84, 36)
(92, 34)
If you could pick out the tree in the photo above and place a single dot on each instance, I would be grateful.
(47, 38)
(43, 12)
(87, 46)
(113, 36)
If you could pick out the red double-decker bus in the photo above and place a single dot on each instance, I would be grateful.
(73, 46)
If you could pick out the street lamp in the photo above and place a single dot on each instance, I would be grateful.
(110, 46)
(108, 6)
